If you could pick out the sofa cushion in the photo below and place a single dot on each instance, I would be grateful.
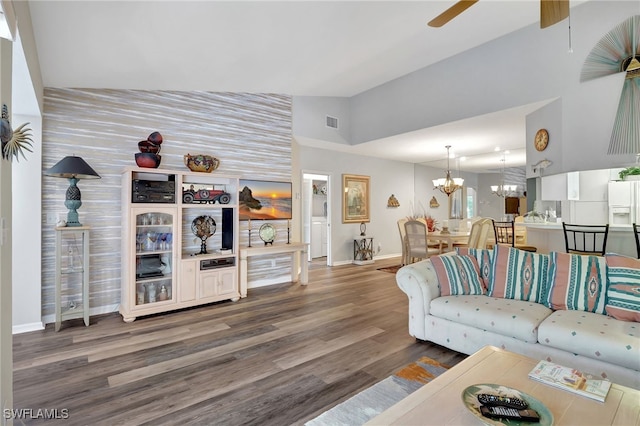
(623, 287)
(484, 258)
(512, 318)
(593, 335)
(577, 282)
(518, 274)
(457, 275)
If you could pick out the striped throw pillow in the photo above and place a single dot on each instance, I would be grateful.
(578, 282)
(623, 287)
(518, 274)
(484, 258)
(457, 275)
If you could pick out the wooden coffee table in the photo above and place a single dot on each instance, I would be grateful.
(440, 402)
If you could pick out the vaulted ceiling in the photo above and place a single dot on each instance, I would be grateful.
(301, 48)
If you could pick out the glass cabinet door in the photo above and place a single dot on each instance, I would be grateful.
(154, 248)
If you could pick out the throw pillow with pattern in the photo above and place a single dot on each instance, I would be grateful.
(484, 258)
(623, 287)
(518, 274)
(457, 275)
(578, 282)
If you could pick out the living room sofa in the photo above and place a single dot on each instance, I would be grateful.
(574, 310)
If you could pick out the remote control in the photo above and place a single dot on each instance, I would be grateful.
(510, 413)
(502, 401)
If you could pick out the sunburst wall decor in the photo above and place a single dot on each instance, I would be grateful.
(619, 51)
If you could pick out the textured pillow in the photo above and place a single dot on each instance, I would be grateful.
(518, 274)
(484, 258)
(623, 287)
(457, 275)
(577, 282)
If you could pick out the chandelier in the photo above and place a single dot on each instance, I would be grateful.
(503, 190)
(447, 184)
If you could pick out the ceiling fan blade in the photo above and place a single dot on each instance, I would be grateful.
(553, 11)
(451, 13)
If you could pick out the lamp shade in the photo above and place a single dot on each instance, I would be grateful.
(72, 167)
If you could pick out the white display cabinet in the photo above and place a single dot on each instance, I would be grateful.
(180, 240)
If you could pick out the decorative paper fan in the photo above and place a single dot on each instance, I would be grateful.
(619, 51)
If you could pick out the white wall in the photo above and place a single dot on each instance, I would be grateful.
(6, 235)
(529, 65)
(310, 114)
(27, 268)
(387, 177)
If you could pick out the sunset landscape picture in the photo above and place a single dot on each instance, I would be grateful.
(264, 200)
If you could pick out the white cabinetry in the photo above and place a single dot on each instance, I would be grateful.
(318, 237)
(167, 263)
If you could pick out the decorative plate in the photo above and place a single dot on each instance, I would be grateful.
(267, 233)
(203, 227)
(470, 399)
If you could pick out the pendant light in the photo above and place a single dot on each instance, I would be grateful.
(503, 190)
(447, 184)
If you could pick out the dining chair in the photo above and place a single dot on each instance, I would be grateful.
(636, 230)
(480, 233)
(585, 239)
(520, 231)
(505, 234)
(416, 237)
(403, 240)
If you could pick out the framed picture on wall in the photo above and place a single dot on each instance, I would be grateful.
(263, 199)
(355, 202)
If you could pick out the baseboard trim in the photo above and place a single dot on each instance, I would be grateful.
(107, 309)
(25, 328)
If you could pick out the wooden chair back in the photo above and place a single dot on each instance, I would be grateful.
(585, 239)
(480, 233)
(416, 239)
(403, 241)
(503, 232)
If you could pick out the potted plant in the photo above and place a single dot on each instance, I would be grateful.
(630, 171)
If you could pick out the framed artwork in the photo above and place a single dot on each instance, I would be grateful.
(355, 202)
(266, 200)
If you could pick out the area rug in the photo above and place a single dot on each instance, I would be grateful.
(367, 404)
(393, 269)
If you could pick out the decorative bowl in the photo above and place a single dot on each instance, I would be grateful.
(201, 163)
(148, 160)
(146, 146)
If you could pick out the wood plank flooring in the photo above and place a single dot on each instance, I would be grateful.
(281, 356)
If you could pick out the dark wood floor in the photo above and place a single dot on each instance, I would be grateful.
(281, 356)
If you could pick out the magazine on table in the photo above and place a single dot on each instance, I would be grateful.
(571, 380)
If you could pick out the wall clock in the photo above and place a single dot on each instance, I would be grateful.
(267, 233)
(541, 140)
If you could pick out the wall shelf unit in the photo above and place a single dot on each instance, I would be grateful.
(179, 240)
(72, 274)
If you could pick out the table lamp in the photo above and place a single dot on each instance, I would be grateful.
(73, 168)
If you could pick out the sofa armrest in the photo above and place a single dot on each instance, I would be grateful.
(420, 283)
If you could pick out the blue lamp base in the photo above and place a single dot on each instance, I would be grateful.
(73, 202)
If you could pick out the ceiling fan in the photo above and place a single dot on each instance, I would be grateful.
(551, 12)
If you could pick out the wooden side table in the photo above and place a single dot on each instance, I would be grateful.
(72, 270)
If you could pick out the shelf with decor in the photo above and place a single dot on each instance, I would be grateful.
(72, 274)
(180, 240)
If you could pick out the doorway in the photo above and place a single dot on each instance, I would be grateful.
(316, 214)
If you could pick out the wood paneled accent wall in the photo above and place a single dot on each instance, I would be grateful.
(249, 133)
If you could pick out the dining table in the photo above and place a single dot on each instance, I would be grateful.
(449, 239)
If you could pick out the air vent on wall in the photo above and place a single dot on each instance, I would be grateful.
(332, 122)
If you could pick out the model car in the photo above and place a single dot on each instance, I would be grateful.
(203, 196)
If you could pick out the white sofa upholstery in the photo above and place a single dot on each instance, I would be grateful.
(592, 342)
